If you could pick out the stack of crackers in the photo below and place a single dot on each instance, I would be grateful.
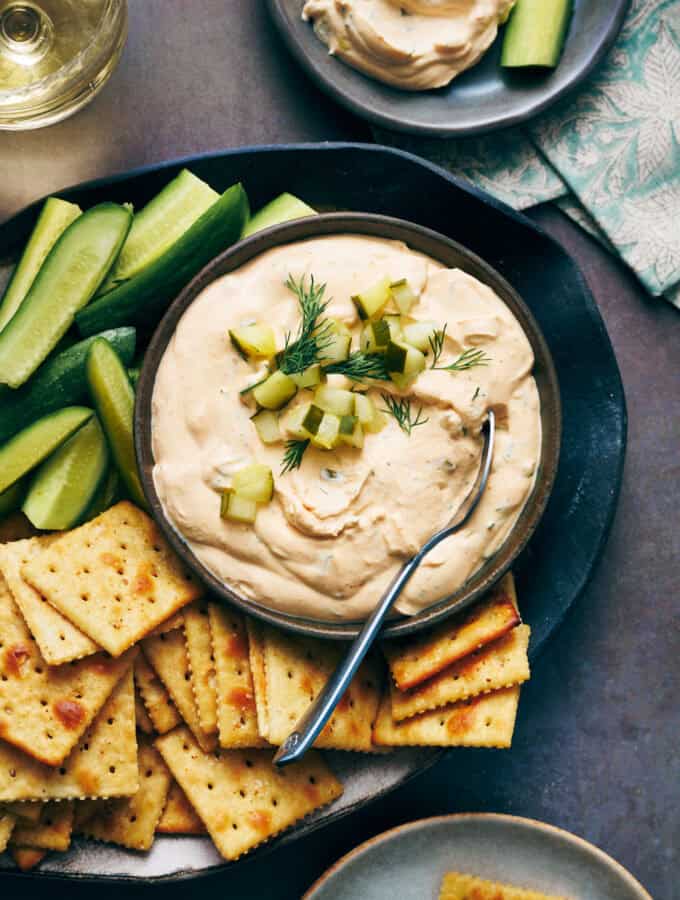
(131, 705)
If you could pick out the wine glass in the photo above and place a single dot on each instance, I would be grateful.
(55, 55)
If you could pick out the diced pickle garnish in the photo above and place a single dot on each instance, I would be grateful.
(327, 433)
(254, 482)
(404, 296)
(275, 391)
(254, 341)
(267, 424)
(312, 419)
(334, 400)
(371, 302)
(238, 509)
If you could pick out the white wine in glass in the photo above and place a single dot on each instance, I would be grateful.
(54, 56)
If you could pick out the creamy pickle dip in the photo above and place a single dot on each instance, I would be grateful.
(339, 527)
(416, 45)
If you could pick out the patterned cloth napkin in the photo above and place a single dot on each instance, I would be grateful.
(610, 157)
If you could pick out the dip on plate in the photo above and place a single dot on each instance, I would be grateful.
(339, 527)
(416, 45)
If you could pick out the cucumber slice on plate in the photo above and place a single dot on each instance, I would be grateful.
(72, 272)
(283, 208)
(159, 224)
(55, 217)
(108, 493)
(535, 33)
(32, 445)
(114, 401)
(11, 498)
(60, 381)
(143, 298)
(63, 487)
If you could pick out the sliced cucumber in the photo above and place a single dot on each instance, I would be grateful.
(254, 341)
(114, 401)
(55, 217)
(266, 423)
(283, 208)
(35, 443)
(143, 298)
(238, 509)
(108, 493)
(63, 487)
(159, 224)
(275, 391)
(535, 33)
(11, 498)
(72, 272)
(60, 381)
(254, 482)
(371, 302)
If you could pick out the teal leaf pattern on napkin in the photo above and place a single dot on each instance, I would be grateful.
(617, 145)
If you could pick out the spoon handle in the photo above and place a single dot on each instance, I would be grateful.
(312, 722)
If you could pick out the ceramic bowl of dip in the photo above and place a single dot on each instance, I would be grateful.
(435, 248)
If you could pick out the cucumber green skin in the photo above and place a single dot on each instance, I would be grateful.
(283, 208)
(108, 493)
(55, 217)
(60, 381)
(142, 299)
(34, 444)
(535, 33)
(178, 205)
(64, 485)
(11, 498)
(72, 272)
(114, 401)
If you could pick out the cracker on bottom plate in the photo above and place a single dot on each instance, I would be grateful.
(241, 797)
(257, 670)
(157, 701)
(498, 665)
(27, 858)
(58, 640)
(236, 713)
(414, 660)
(179, 816)
(142, 720)
(44, 709)
(202, 664)
(167, 655)
(484, 721)
(51, 832)
(7, 822)
(103, 764)
(457, 886)
(24, 810)
(296, 670)
(132, 821)
(115, 577)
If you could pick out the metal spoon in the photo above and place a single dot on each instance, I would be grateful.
(307, 729)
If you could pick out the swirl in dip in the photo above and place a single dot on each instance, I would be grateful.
(339, 527)
(412, 44)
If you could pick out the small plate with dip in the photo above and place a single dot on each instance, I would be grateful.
(319, 556)
(482, 98)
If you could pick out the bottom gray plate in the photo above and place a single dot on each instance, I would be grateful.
(408, 862)
(363, 777)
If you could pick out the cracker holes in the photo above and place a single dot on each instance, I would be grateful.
(43, 702)
(133, 819)
(210, 786)
(112, 770)
(38, 670)
(311, 779)
(148, 773)
(84, 597)
(275, 802)
(249, 764)
(62, 770)
(242, 793)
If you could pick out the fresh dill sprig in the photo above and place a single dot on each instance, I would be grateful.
(400, 408)
(360, 365)
(313, 335)
(468, 359)
(292, 458)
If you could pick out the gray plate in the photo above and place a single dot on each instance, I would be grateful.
(408, 862)
(481, 99)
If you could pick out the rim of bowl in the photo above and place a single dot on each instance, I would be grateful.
(449, 253)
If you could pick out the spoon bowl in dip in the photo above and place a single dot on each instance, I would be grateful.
(286, 240)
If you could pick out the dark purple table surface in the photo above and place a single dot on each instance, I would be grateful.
(597, 746)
